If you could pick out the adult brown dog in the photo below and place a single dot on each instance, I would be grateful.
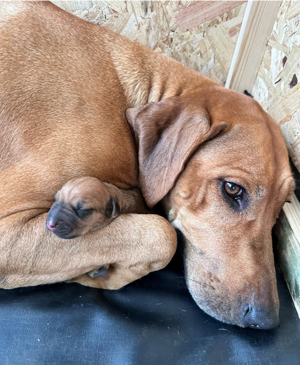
(214, 157)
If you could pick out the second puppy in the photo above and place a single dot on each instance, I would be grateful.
(85, 204)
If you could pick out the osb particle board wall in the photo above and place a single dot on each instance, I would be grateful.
(170, 27)
(277, 85)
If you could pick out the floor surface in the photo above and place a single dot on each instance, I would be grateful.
(153, 321)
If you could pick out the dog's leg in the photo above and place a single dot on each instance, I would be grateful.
(132, 245)
(122, 272)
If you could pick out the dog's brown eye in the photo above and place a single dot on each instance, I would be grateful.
(232, 189)
(235, 195)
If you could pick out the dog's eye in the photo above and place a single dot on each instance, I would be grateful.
(83, 213)
(235, 195)
(233, 190)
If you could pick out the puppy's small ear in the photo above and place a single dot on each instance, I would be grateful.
(112, 209)
(167, 133)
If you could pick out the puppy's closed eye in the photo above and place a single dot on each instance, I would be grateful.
(83, 213)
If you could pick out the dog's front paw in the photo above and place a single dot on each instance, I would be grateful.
(100, 273)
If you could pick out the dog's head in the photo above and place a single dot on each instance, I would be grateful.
(82, 205)
(220, 165)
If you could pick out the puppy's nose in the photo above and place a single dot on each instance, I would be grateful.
(51, 225)
(261, 319)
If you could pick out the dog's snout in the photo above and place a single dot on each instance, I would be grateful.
(60, 222)
(260, 318)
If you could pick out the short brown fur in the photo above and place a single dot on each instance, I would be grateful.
(65, 87)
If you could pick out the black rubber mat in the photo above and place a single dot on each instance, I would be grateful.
(152, 321)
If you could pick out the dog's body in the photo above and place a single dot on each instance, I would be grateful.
(214, 157)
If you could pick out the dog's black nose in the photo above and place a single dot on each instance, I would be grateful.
(261, 319)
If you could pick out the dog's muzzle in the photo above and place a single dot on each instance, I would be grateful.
(61, 222)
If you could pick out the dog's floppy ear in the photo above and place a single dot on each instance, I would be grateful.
(167, 133)
(112, 209)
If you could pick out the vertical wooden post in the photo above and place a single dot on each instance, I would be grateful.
(251, 45)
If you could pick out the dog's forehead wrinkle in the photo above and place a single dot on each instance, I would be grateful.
(246, 170)
(74, 200)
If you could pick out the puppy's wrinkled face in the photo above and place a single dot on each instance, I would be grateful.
(81, 206)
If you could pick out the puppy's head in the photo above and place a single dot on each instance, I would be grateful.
(82, 205)
(220, 164)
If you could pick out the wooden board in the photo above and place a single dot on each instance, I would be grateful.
(200, 12)
(292, 212)
(276, 86)
(256, 28)
(288, 248)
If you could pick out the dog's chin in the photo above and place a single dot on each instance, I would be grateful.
(219, 305)
(63, 235)
(213, 306)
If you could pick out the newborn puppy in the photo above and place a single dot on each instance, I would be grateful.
(86, 204)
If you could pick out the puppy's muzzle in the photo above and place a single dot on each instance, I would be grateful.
(61, 222)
